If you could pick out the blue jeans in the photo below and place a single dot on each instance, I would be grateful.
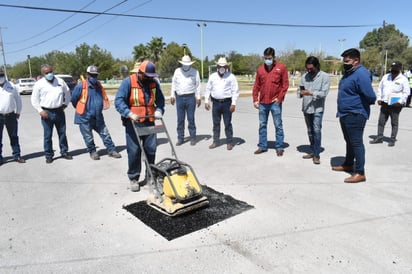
(186, 105)
(134, 153)
(86, 129)
(314, 127)
(276, 110)
(220, 109)
(10, 121)
(353, 126)
(56, 119)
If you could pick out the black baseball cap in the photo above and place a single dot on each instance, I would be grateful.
(396, 64)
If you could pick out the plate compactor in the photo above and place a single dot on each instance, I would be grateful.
(174, 187)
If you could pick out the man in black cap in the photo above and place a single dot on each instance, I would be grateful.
(10, 108)
(392, 94)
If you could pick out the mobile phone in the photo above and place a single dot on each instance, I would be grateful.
(300, 89)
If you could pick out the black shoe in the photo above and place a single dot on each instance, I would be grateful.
(391, 143)
(376, 141)
(67, 156)
(179, 143)
(94, 156)
(20, 160)
(1, 161)
(193, 142)
(49, 160)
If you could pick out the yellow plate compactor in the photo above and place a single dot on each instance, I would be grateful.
(174, 187)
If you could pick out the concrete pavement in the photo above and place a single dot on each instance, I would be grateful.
(67, 216)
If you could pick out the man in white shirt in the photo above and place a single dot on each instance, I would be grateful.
(50, 97)
(10, 108)
(223, 90)
(186, 93)
(392, 94)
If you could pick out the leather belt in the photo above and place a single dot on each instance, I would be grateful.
(6, 114)
(222, 100)
(186, 95)
(53, 109)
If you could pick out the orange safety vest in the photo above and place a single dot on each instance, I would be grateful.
(81, 104)
(136, 100)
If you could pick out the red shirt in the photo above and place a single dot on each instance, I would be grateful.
(272, 84)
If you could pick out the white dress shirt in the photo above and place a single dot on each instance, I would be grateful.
(222, 87)
(185, 82)
(398, 86)
(50, 95)
(10, 100)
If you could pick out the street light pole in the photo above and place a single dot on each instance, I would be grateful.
(184, 48)
(201, 26)
(2, 51)
(28, 58)
(341, 41)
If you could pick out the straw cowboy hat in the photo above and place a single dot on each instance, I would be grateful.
(136, 67)
(186, 61)
(222, 62)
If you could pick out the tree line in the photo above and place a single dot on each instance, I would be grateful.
(379, 47)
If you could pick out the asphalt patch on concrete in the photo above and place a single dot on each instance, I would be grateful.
(221, 207)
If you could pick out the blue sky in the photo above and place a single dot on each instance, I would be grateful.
(119, 35)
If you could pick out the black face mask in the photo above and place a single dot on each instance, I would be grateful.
(146, 80)
(395, 72)
(312, 73)
(347, 67)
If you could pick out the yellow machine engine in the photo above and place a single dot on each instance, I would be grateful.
(182, 186)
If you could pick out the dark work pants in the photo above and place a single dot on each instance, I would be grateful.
(386, 112)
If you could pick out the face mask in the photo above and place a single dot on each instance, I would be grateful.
(49, 76)
(313, 72)
(221, 70)
(2, 80)
(185, 67)
(93, 80)
(146, 80)
(268, 62)
(347, 67)
(395, 72)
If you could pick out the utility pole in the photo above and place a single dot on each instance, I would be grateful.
(201, 26)
(383, 50)
(2, 51)
(28, 58)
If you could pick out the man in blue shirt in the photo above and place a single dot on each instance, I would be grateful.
(139, 101)
(355, 96)
(89, 99)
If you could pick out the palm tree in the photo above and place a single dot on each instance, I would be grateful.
(155, 48)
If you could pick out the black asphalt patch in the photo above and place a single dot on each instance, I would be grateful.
(221, 207)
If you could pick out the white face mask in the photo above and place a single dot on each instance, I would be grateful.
(2, 80)
(222, 70)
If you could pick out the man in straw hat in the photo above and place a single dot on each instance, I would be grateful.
(140, 100)
(186, 93)
(223, 90)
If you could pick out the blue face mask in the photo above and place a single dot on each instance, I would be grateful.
(49, 76)
(93, 80)
(268, 62)
(185, 67)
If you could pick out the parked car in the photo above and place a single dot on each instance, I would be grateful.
(25, 85)
(71, 83)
